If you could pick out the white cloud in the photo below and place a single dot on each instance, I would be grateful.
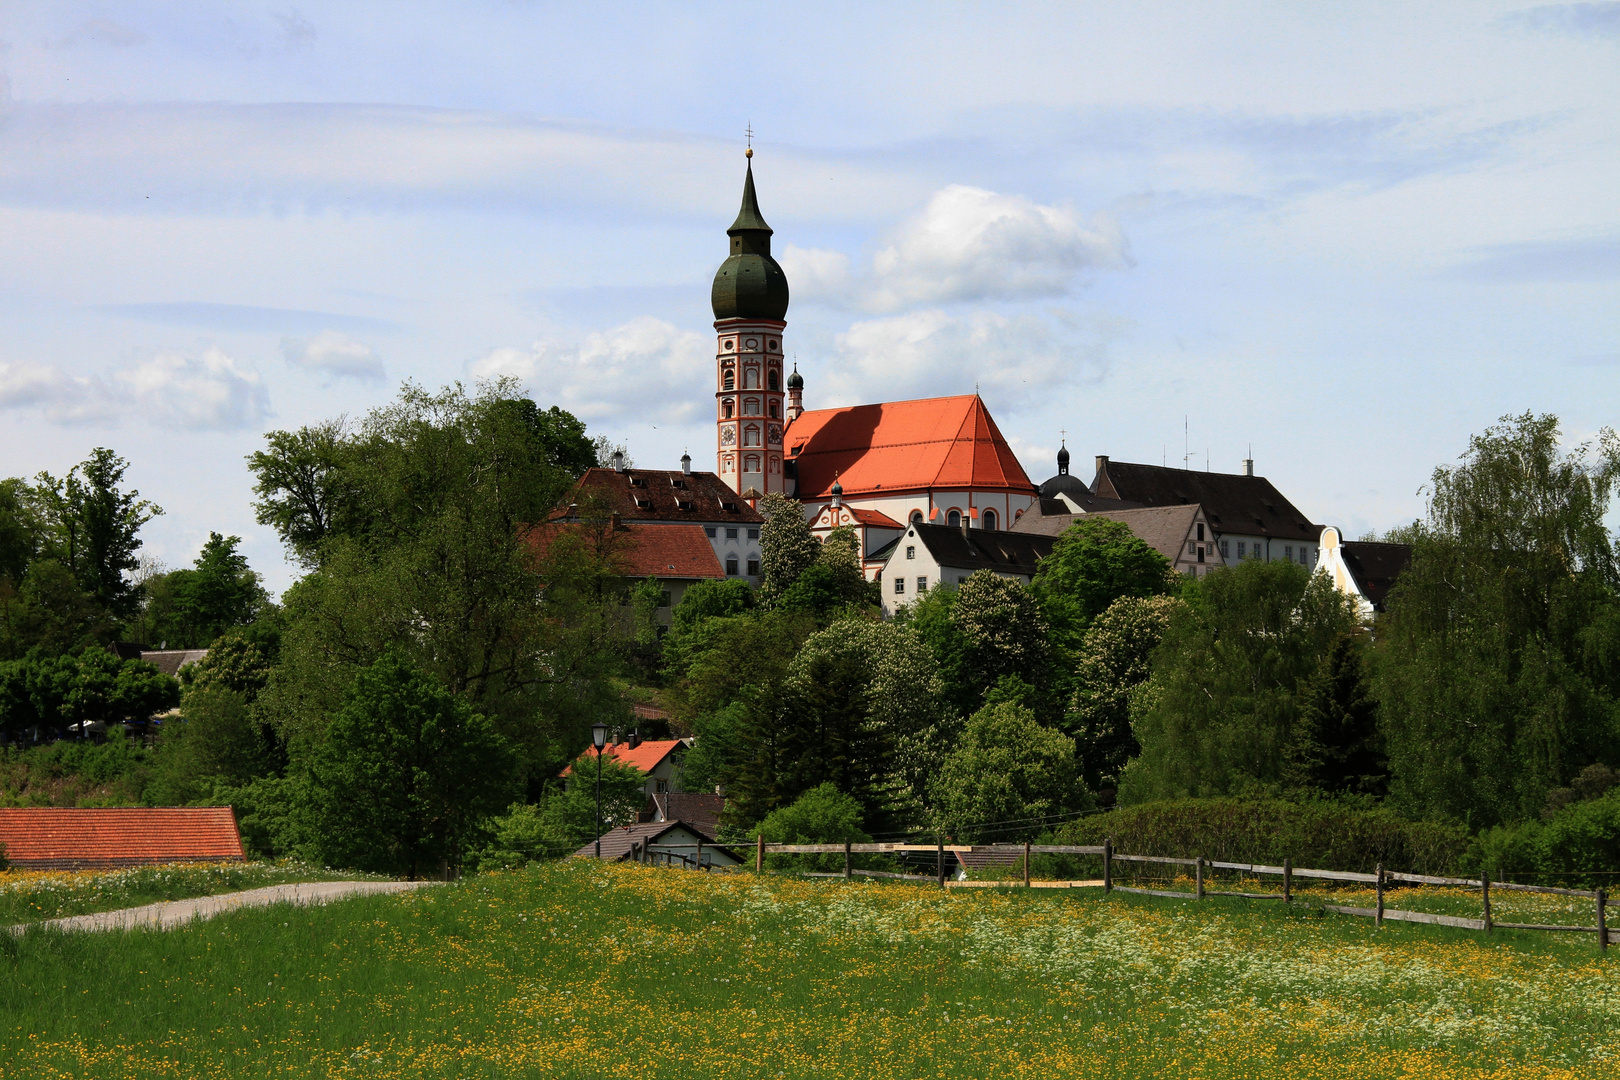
(1017, 357)
(973, 244)
(99, 32)
(211, 392)
(334, 354)
(817, 274)
(60, 397)
(645, 369)
(966, 244)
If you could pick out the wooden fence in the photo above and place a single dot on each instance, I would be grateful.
(1381, 879)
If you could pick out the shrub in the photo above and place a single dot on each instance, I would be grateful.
(1578, 845)
(1327, 834)
(822, 815)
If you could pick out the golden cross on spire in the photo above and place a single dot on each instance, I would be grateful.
(1063, 434)
(749, 131)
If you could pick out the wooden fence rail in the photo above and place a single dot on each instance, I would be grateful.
(1380, 879)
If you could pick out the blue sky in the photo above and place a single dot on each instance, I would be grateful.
(1346, 236)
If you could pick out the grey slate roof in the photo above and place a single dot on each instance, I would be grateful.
(1233, 502)
(1162, 528)
(1375, 565)
(616, 842)
(983, 549)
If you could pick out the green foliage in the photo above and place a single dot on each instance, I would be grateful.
(113, 772)
(217, 739)
(932, 617)
(1325, 834)
(187, 609)
(834, 581)
(1336, 746)
(1576, 842)
(1094, 563)
(54, 693)
(787, 548)
(234, 663)
(822, 815)
(416, 525)
(1115, 657)
(1003, 632)
(859, 708)
(1497, 666)
(564, 820)
(1228, 677)
(92, 526)
(404, 773)
(1007, 777)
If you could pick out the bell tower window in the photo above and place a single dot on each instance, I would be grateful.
(774, 379)
(730, 380)
(725, 409)
(775, 409)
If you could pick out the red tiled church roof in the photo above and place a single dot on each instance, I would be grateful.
(70, 838)
(903, 446)
(640, 551)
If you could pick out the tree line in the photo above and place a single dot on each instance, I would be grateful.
(411, 701)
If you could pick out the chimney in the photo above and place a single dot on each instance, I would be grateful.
(1248, 466)
(967, 523)
(1102, 462)
(618, 461)
(686, 464)
(634, 740)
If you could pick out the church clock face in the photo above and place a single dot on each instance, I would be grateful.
(728, 436)
(776, 433)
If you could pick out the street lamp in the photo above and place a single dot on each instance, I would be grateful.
(599, 740)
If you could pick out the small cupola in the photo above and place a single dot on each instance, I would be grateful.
(686, 464)
(1063, 460)
(837, 494)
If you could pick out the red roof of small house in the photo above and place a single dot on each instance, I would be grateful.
(681, 552)
(647, 756)
(70, 838)
(875, 519)
(903, 446)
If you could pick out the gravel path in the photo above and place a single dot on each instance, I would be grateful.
(172, 913)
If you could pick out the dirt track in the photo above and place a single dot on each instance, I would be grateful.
(172, 913)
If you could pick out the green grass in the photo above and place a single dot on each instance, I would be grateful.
(31, 896)
(580, 970)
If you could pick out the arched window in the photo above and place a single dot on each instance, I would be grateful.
(775, 379)
(730, 380)
(954, 519)
(916, 516)
(990, 519)
(725, 409)
(751, 379)
(751, 463)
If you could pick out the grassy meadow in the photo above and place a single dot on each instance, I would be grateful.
(581, 971)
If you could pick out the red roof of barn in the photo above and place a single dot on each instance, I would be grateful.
(646, 757)
(901, 446)
(639, 551)
(70, 838)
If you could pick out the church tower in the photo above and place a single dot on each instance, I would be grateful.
(750, 300)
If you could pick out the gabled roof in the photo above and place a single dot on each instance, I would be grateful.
(902, 446)
(670, 552)
(616, 844)
(983, 549)
(1233, 502)
(647, 495)
(1162, 528)
(874, 519)
(692, 807)
(647, 756)
(170, 661)
(69, 838)
(1375, 566)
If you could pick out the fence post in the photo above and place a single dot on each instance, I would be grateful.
(1026, 864)
(759, 853)
(1603, 922)
(699, 857)
(1198, 873)
(1485, 894)
(1108, 864)
(940, 854)
(1288, 881)
(848, 866)
(1378, 920)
